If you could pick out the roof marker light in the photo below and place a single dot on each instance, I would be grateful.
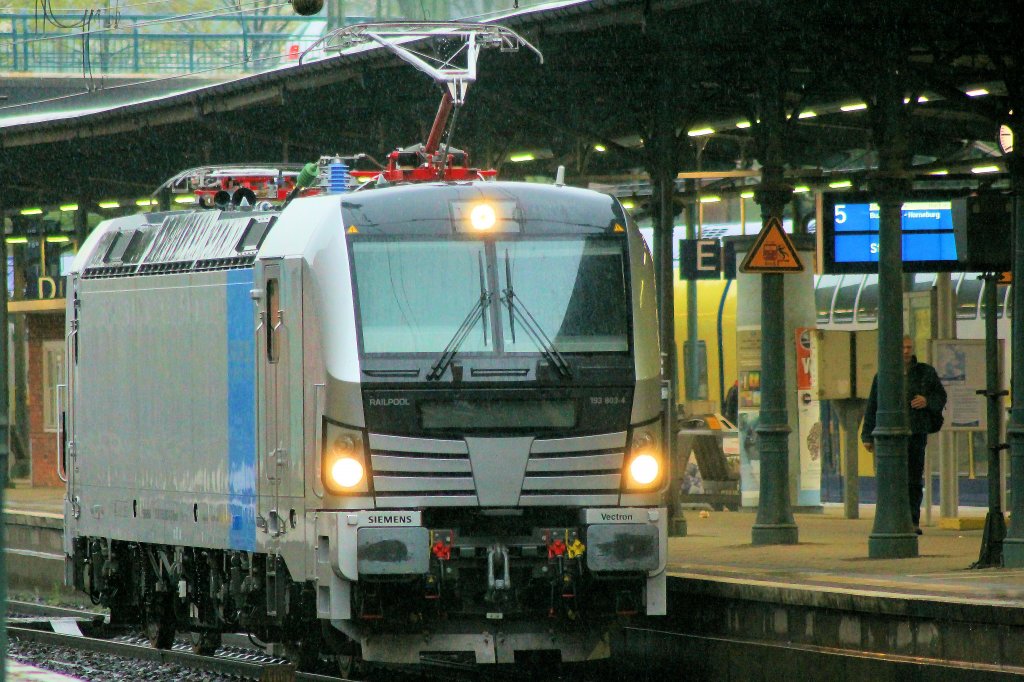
(859, 106)
(700, 132)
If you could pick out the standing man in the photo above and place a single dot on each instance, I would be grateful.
(925, 397)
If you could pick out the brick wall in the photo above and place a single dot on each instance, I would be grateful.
(42, 444)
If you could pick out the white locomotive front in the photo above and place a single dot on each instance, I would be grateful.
(414, 421)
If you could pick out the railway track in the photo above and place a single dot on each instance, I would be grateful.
(83, 630)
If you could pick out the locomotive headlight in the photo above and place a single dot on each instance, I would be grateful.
(343, 468)
(482, 217)
(644, 469)
(347, 472)
(644, 462)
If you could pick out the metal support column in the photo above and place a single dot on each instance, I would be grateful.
(775, 524)
(892, 535)
(665, 185)
(851, 413)
(995, 525)
(1013, 544)
(4, 439)
(692, 355)
(949, 470)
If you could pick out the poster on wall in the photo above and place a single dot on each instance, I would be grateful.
(748, 363)
(960, 364)
(808, 418)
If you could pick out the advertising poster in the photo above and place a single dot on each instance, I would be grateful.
(808, 418)
(748, 362)
(960, 364)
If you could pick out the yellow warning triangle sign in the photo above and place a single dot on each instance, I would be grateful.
(772, 252)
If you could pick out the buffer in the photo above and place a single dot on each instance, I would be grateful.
(772, 252)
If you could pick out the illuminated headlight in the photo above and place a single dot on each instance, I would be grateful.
(343, 468)
(482, 217)
(644, 464)
(346, 472)
(644, 469)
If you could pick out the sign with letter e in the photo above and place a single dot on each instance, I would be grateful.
(700, 259)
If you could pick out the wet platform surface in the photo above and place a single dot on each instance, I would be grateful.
(932, 612)
(832, 555)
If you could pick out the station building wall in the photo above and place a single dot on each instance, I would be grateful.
(45, 338)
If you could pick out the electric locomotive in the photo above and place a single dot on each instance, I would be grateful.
(413, 419)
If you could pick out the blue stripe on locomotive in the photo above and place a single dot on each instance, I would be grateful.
(241, 387)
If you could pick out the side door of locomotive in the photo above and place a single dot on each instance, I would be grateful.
(279, 340)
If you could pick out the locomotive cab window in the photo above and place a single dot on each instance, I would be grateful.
(254, 234)
(273, 321)
(120, 244)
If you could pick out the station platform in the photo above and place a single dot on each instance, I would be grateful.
(831, 550)
(822, 592)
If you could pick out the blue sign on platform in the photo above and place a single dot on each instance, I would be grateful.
(851, 236)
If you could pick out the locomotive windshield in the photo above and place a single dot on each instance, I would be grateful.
(414, 296)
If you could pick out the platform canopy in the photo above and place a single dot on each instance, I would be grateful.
(609, 65)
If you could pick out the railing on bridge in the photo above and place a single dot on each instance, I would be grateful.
(120, 43)
(151, 44)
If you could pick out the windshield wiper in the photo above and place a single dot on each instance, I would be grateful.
(516, 309)
(478, 312)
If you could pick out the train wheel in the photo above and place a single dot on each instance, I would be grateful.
(351, 667)
(160, 620)
(122, 611)
(305, 653)
(205, 643)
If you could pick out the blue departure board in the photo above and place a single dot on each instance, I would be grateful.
(850, 234)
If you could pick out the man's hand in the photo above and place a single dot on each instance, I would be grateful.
(919, 402)
(869, 446)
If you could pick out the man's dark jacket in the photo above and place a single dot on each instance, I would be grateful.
(921, 380)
